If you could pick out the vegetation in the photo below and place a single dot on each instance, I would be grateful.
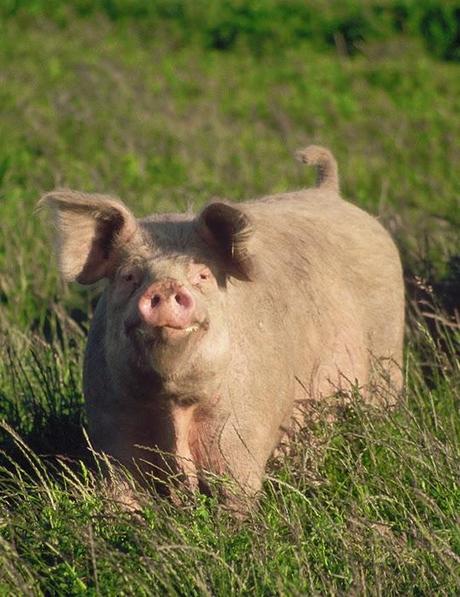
(167, 104)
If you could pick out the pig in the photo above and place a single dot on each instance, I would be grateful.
(214, 328)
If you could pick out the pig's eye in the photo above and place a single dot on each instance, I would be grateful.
(129, 278)
(201, 276)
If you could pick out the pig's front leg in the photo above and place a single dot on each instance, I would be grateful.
(213, 455)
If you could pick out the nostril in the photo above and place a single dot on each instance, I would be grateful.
(182, 299)
(156, 300)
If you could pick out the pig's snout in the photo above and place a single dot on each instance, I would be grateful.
(168, 304)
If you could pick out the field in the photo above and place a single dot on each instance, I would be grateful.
(166, 105)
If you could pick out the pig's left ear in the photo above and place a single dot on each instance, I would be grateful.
(91, 231)
(228, 230)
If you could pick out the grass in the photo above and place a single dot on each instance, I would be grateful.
(368, 505)
(115, 103)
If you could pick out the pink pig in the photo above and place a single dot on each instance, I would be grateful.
(214, 327)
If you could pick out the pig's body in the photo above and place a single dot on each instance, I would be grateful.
(325, 304)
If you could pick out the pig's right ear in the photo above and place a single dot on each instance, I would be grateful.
(90, 232)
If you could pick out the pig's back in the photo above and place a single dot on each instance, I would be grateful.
(315, 236)
(329, 289)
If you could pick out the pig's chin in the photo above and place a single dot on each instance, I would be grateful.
(169, 350)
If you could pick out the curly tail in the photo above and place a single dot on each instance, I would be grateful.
(327, 175)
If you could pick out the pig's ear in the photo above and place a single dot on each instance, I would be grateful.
(90, 231)
(228, 230)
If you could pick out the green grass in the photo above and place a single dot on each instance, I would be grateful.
(255, 24)
(149, 107)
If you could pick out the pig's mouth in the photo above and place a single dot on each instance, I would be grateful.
(164, 334)
(168, 333)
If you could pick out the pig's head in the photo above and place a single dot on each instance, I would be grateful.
(165, 304)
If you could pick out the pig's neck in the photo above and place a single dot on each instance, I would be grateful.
(181, 389)
(195, 417)
(197, 384)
